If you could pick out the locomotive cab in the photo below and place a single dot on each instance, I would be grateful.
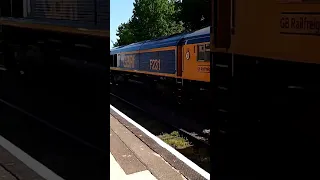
(196, 62)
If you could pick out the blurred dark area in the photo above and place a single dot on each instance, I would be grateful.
(54, 99)
(54, 83)
(69, 94)
(57, 112)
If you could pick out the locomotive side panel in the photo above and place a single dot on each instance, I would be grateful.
(158, 61)
(277, 29)
(168, 64)
(128, 61)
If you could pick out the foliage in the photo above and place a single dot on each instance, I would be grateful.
(195, 14)
(155, 18)
(151, 19)
(124, 32)
(175, 140)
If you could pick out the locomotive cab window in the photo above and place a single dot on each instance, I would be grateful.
(203, 52)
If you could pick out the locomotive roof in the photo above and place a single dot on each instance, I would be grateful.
(172, 40)
(127, 48)
(202, 35)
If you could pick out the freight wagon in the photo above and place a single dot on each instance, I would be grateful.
(265, 79)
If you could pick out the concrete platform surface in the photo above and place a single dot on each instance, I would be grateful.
(117, 173)
(6, 175)
(131, 158)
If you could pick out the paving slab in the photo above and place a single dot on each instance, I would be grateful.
(20, 165)
(124, 156)
(6, 175)
(117, 173)
(13, 165)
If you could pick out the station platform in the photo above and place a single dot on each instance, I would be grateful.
(130, 158)
(17, 165)
(137, 154)
(134, 154)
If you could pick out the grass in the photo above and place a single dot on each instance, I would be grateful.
(175, 140)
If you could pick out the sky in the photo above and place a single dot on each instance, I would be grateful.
(120, 12)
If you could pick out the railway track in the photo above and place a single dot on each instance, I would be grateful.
(182, 131)
(194, 120)
(200, 153)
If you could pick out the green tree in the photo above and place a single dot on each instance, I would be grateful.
(151, 19)
(124, 32)
(195, 14)
(155, 18)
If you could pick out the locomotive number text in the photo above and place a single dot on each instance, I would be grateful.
(204, 69)
(128, 61)
(155, 64)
